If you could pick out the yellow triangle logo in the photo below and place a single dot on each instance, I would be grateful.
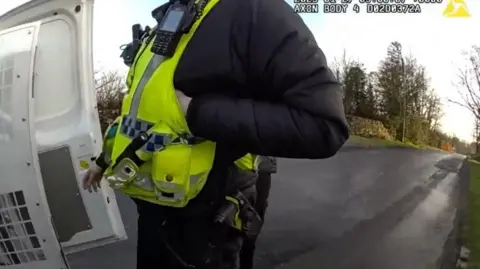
(456, 9)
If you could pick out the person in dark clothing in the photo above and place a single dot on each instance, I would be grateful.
(266, 167)
(247, 252)
(252, 80)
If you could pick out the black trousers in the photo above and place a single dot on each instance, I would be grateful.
(169, 240)
(263, 185)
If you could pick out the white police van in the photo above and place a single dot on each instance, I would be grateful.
(49, 131)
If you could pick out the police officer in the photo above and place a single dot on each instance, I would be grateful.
(266, 166)
(214, 80)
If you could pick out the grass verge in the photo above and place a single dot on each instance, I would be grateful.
(375, 142)
(472, 229)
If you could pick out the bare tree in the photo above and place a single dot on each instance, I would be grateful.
(110, 87)
(468, 88)
(431, 109)
(468, 85)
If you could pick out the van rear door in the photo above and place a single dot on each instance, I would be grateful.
(64, 121)
(27, 236)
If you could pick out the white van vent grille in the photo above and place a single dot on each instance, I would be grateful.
(19, 243)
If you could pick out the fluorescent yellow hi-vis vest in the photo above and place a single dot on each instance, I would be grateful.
(176, 164)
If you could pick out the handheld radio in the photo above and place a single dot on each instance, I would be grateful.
(178, 19)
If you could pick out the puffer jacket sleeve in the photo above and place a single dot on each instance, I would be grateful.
(295, 109)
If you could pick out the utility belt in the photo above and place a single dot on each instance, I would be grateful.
(136, 172)
(237, 212)
(158, 165)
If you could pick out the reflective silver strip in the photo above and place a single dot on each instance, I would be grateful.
(195, 178)
(153, 64)
(145, 182)
(166, 185)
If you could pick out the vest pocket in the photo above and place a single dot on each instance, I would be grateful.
(170, 173)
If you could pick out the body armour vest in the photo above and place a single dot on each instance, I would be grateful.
(176, 164)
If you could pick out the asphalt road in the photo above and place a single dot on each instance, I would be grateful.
(363, 208)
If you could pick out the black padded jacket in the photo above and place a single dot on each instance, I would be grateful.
(259, 83)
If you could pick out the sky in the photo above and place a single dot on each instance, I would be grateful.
(436, 41)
